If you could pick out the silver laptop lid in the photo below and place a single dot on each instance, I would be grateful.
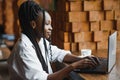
(112, 50)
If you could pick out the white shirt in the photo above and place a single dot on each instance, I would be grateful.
(24, 63)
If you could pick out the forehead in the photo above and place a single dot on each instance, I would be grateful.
(47, 16)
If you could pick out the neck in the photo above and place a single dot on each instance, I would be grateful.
(38, 39)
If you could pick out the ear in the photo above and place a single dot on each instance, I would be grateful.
(33, 24)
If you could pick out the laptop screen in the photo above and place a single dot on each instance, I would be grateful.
(112, 50)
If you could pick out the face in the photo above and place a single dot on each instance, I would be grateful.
(48, 27)
(37, 25)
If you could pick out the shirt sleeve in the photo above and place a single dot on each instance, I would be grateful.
(28, 65)
(58, 54)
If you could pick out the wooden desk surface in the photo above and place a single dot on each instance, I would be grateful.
(113, 75)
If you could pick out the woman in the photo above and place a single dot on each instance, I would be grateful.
(32, 54)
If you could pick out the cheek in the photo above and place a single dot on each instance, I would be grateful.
(46, 34)
(46, 28)
(45, 31)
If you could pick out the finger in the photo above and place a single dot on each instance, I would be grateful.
(89, 63)
(92, 65)
(93, 61)
(97, 60)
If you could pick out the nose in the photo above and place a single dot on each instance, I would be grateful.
(50, 28)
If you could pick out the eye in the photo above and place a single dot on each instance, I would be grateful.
(47, 23)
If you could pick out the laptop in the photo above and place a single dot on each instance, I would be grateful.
(106, 64)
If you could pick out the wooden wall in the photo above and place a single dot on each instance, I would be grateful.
(77, 24)
(87, 24)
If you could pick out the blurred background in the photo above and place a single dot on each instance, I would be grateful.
(80, 24)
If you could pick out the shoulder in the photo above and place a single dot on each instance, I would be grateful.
(24, 46)
(23, 43)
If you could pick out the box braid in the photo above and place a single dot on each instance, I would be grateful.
(29, 11)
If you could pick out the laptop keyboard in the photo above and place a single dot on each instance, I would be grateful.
(103, 63)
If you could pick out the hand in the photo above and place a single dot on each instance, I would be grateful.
(86, 62)
(94, 59)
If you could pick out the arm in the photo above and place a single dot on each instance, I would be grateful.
(69, 58)
(59, 75)
(75, 61)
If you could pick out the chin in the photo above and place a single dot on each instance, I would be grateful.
(47, 37)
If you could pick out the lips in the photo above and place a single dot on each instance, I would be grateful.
(49, 33)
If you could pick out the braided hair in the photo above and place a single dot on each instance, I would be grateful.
(29, 11)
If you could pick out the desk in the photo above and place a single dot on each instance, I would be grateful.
(5, 52)
(113, 75)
